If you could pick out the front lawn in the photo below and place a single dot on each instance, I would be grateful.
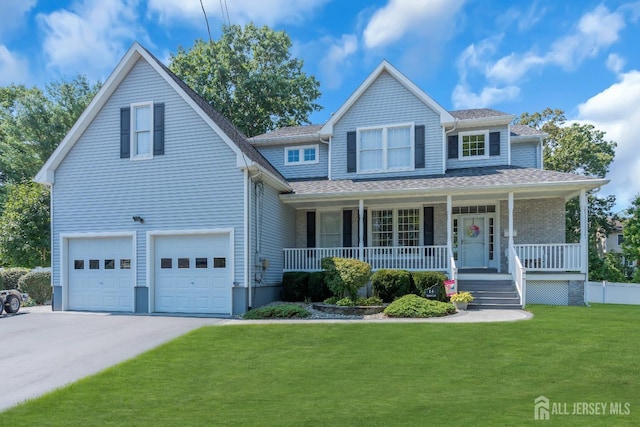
(366, 374)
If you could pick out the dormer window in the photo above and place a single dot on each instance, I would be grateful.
(388, 148)
(302, 155)
(473, 144)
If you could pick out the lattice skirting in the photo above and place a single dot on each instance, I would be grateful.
(552, 292)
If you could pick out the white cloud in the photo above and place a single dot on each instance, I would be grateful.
(13, 68)
(90, 37)
(401, 17)
(523, 19)
(338, 54)
(268, 12)
(511, 68)
(463, 97)
(13, 12)
(616, 110)
(615, 63)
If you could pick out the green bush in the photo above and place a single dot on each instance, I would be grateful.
(425, 279)
(415, 306)
(9, 277)
(332, 300)
(367, 302)
(344, 276)
(318, 289)
(295, 285)
(280, 311)
(391, 284)
(37, 284)
(345, 302)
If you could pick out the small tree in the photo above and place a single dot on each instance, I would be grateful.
(631, 233)
(345, 276)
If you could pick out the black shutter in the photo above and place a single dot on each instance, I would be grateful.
(311, 229)
(428, 226)
(364, 223)
(158, 129)
(125, 133)
(351, 151)
(346, 228)
(494, 144)
(452, 147)
(419, 152)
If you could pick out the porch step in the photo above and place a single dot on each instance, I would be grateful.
(484, 277)
(491, 294)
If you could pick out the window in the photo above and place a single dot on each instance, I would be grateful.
(382, 228)
(386, 149)
(330, 236)
(620, 239)
(125, 264)
(166, 263)
(301, 155)
(473, 145)
(219, 263)
(94, 264)
(201, 262)
(408, 227)
(396, 227)
(109, 264)
(141, 130)
(183, 262)
(78, 264)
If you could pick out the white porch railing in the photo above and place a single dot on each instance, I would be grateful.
(453, 269)
(550, 257)
(413, 258)
(519, 274)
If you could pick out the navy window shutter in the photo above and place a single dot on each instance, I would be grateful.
(428, 226)
(494, 144)
(125, 133)
(364, 222)
(351, 151)
(347, 215)
(158, 129)
(419, 144)
(311, 229)
(452, 147)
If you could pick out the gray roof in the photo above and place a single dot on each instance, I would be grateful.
(477, 113)
(524, 130)
(289, 132)
(223, 123)
(458, 178)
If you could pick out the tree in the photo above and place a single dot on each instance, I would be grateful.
(581, 149)
(249, 76)
(631, 234)
(24, 226)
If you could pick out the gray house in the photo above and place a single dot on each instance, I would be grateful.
(160, 205)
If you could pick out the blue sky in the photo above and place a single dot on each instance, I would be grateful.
(580, 56)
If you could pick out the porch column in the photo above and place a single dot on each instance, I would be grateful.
(449, 227)
(510, 245)
(361, 229)
(584, 233)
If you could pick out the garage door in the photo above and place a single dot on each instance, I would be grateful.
(101, 274)
(193, 274)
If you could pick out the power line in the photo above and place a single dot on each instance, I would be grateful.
(207, 21)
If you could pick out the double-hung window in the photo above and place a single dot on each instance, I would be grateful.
(395, 227)
(388, 148)
(473, 145)
(142, 130)
(306, 154)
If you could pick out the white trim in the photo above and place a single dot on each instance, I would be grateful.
(508, 144)
(300, 149)
(133, 131)
(445, 116)
(246, 226)
(150, 238)
(385, 148)
(329, 159)
(485, 156)
(64, 259)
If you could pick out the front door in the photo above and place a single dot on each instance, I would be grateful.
(473, 242)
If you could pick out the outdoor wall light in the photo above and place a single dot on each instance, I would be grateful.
(138, 219)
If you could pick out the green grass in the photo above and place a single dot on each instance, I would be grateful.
(365, 374)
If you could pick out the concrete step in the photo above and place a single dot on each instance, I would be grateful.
(483, 277)
(516, 306)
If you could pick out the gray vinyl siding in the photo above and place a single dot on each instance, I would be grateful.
(275, 155)
(272, 225)
(194, 185)
(502, 159)
(525, 154)
(387, 102)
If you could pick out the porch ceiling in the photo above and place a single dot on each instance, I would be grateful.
(476, 184)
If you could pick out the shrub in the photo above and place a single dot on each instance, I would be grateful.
(345, 302)
(295, 286)
(280, 311)
(37, 284)
(415, 306)
(318, 289)
(9, 277)
(462, 297)
(423, 280)
(391, 284)
(344, 276)
(332, 300)
(367, 302)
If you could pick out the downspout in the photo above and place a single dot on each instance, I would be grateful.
(329, 159)
(250, 266)
(446, 146)
(247, 232)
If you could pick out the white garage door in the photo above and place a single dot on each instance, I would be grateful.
(193, 274)
(101, 274)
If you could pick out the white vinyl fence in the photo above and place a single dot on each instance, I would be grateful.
(613, 293)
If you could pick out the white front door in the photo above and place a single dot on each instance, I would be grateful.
(193, 274)
(473, 242)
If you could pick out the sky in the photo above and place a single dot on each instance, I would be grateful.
(580, 56)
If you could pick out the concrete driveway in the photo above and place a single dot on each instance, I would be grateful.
(42, 350)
